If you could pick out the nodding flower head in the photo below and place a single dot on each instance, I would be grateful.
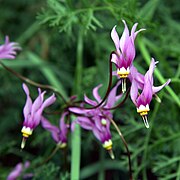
(59, 134)
(33, 112)
(125, 51)
(96, 119)
(8, 49)
(145, 84)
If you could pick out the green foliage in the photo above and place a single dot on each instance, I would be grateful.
(50, 51)
(47, 171)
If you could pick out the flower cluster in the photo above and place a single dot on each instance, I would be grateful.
(98, 117)
(142, 89)
(97, 120)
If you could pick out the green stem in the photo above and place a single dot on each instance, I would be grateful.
(101, 175)
(76, 136)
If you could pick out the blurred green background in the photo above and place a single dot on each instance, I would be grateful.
(66, 43)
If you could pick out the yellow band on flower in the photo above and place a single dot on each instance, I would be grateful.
(107, 145)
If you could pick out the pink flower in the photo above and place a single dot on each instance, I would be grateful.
(18, 170)
(33, 112)
(125, 51)
(145, 84)
(8, 49)
(59, 134)
(96, 119)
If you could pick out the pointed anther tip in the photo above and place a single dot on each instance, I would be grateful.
(111, 154)
(23, 143)
(145, 121)
(147, 126)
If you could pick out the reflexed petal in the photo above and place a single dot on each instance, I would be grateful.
(115, 38)
(89, 101)
(38, 101)
(96, 94)
(49, 101)
(114, 59)
(8, 50)
(98, 123)
(151, 69)
(26, 164)
(73, 125)
(85, 123)
(96, 133)
(158, 88)
(129, 52)
(134, 92)
(51, 128)
(36, 118)
(124, 37)
(112, 96)
(133, 33)
(136, 76)
(28, 104)
(78, 110)
(146, 95)
(62, 125)
(16, 172)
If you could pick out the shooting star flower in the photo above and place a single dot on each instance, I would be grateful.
(8, 49)
(145, 84)
(125, 51)
(18, 170)
(33, 112)
(59, 134)
(96, 119)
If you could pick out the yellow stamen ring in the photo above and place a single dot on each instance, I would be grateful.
(26, 131)
(108, 145)
(123, 73)
(143, 110)
(62, 145)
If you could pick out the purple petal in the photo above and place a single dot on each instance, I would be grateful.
(16, 172)
(78, 110)
(62, 125)
(158, 88)
(97, 133)
(114, 59)
(134, 92)
(115, 38)
(97, 121)
(112, 96)
(146, 95)
(38, 101)
(133, 33)
(85, 123)
(28, 104)
(73, 125)
(124, 37)
(136, 76)
(26, 164)
(8, 50)
(89, 101)
(49, 101)
(51, 128)
(129, 52)
(96, 94)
